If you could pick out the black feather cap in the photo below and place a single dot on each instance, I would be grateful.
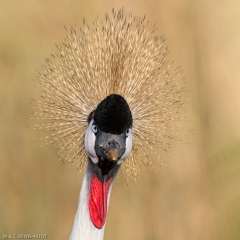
(113, 114)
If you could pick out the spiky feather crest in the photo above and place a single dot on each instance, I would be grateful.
(121, 56)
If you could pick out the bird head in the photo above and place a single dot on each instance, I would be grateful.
(108, 139)
(121, 55)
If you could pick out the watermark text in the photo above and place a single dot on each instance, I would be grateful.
(24, 236)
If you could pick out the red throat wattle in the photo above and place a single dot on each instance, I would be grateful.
(98, 201)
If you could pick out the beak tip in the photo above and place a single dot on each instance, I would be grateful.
(113, 155)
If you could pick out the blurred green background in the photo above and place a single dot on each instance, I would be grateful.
(197, 196)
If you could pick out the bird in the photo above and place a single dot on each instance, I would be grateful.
(109, 97)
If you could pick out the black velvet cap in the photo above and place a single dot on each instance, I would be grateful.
(113, 114)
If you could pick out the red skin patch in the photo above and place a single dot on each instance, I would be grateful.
(98, 201)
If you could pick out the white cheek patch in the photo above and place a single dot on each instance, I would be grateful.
(89, 143)
(128, 147)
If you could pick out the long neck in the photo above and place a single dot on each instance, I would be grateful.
(83, 228)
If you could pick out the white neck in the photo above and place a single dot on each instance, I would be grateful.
(83, 228)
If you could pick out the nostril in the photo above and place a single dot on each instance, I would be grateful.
(110, 144)
(113, 144)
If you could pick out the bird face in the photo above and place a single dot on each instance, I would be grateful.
(107, 150)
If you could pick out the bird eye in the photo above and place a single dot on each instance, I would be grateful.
(94, 129)
(127, 132)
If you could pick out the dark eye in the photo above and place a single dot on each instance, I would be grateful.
(94, 128)
(127, 132)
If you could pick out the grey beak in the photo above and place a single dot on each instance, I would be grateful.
(110, 146)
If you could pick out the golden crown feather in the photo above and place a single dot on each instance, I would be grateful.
(122, 55)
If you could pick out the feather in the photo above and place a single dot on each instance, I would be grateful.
(121, 55)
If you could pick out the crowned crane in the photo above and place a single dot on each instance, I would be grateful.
(108, 95)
